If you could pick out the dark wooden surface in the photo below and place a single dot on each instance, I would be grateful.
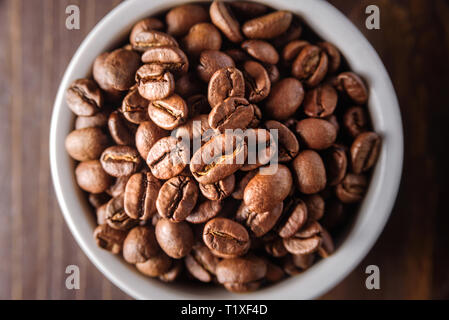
(36, 245)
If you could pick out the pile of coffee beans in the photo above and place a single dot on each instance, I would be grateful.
(215, 73)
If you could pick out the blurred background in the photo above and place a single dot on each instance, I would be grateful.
(35, 244)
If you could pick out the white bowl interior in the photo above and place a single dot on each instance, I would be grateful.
(329, 24)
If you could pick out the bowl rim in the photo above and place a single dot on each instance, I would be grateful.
(373, 213)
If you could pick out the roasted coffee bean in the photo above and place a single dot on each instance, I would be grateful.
(336, 163)
(177, 198)
(119, 161)
(257, 81)
(205, 211)
(321, 101)
(168, 113)
(310, 172)
(288, 146)
(315, 206)
(261, 50)
(303, 261)
(118, 187)
(176, 239)
(170, 57)
(293, 218)
(268, 26)
(147, 134)
(144, 25)
(102, 213)
(141, 193)
(86, 144)
(355, 121)
(109, 239)
(273, 72)
(352, 188)
(201, 37)
(223, 18)
(211, 61)
(116, 70)
(147, 39)
(219, 190)
(334, 121)
(241, 270)
(301, 246)
(226, 238)
(259, 223)
(188, 85)
(122, 131)
(266, 189)
(180, 19)
(155, 266)
(84, 97)
(201, 263)
(255, 122)
(98, 120)
(333, 54)
(275, 248)
(154, 82)
(327, 244)
(232, 113)
(353, 86)
(140, 245)
(225, 83)
(261, 148)
(248, 9)
(317, 134)
(91, 177)
(96, 200)
(116, 216)
(238, 55)
(240, 188)
(219, 158)
(173, 273)
(135, 107)
(196, 129)
(292, 50)
(274, 272)
(167, 158)
(311, 65)
(285, 98)
(242, 287)
(365, 151)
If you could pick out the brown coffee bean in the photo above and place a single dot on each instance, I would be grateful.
(155, 266)
(267, 189)
(119, 161)
(167, 158)
(177, 198)
(143, 25)
(288, 146)
(259, 223)
(352, 188)
(327, 244)
(118, 187)
(226, 238)
(355, 121)
(261, 148)
(205, 211)
(293, 218)
(141, 193)
(101, 213)
(140, 245)
(135, 107)
(261, 50)
(147, 39)
(317, 134)
(225, 83)
(201, 37)
(91, 177)
(180, 19)
(237, 55)
(201, 263)
(315, 206)
(154, 82)
(170, 57)
(336, 163)
(223, 18)
(248, 9)
(211, 61)
(84, 97)
(310, 172)
(122, 131)
(176, 239)
(292, 50)
(219, 190)
(173, 273)
(232, 113)
(98, 120)
(333, 55)
(86, 144)
(321, 101)
(242, 287)
(241, 270)
(196, 129)
(147, 135)
(365, 151)
(109, 239)
(285, 98)
(219, 158)
(296, 245)
(273, 72)
(268, 26)
(116, 216)
(240, 188)
(274, 272)
(311, 65)
(276, 248)
(168, 113)
(257, 81)
(303, 261)
(353, 86)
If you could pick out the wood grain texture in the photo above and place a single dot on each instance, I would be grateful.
(36, 245)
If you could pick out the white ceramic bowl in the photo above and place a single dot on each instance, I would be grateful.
(331, 25)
